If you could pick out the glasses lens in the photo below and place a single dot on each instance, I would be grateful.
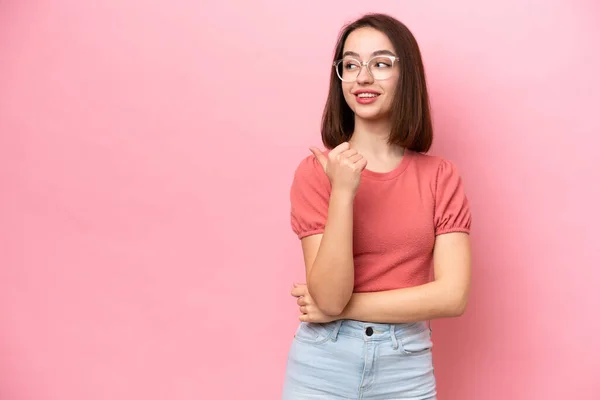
(381, 67)
(348, 69)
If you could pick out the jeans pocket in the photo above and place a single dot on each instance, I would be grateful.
(312, 333)
(417, 342)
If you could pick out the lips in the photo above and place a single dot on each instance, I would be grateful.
(363, 91)
(366, 96)
(366, 93)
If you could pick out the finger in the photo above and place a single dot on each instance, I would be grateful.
(301, 301)
(299, 290)
(303, 309)
(355, 158)
(361, 164)
(319, 156)
(348, 153)
(339, 149)
(304, 318)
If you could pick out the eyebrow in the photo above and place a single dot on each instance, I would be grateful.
(375, 53)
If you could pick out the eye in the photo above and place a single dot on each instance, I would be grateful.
(350, 65)
(382, 62)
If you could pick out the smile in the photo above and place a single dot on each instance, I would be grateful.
(363, 95)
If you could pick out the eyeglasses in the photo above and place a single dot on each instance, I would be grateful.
(380, 67)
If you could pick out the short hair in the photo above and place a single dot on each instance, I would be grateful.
(411, 115)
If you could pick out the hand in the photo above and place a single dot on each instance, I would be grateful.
(342, 166)
(308, 309)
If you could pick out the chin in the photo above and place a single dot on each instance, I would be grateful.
(370, 115)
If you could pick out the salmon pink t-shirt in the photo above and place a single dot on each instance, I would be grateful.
(397, 216)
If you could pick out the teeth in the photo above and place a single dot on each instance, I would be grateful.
(367, 95)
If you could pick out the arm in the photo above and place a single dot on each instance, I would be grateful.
(445, 297)
(328, 257)
(325, 223)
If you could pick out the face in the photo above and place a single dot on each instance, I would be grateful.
(368, 97)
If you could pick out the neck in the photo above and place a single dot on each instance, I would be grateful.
(371, 137)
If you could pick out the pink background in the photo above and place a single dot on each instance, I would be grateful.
(146, 152)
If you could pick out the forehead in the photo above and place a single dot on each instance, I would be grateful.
(365, 41)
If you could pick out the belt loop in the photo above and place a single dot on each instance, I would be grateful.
(393, 336)
(336, 330)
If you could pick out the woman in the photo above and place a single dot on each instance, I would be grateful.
(384, 228)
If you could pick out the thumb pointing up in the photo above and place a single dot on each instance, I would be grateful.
(320, 156)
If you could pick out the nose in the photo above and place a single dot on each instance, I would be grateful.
(364, 75)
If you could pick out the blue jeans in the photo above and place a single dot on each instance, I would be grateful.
(359, 360)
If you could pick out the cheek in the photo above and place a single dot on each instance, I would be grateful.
(390, 88)
(390, 93)
(349, 97)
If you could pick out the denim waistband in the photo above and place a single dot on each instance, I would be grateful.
(369, 331)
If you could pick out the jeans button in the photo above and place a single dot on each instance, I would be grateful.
(369, 331)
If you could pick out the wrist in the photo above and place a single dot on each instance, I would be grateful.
(342, 194)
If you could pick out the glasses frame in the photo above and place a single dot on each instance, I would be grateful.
(364, 64)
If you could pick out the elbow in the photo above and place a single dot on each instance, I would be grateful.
(330, 301)
(332, 305)
(452, 299)
(458, 306)
(334, 310)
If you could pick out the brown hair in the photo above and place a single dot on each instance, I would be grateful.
(411, 116)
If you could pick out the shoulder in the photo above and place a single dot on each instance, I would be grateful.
(309, 176)
(434, 166)
(307, 166)
(451, 205)
(309, 169)
(309, 197)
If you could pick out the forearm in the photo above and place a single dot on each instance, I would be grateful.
(331, 277)
(420, 303)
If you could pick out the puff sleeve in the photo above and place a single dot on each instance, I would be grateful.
(452, 211)
(309, 198)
